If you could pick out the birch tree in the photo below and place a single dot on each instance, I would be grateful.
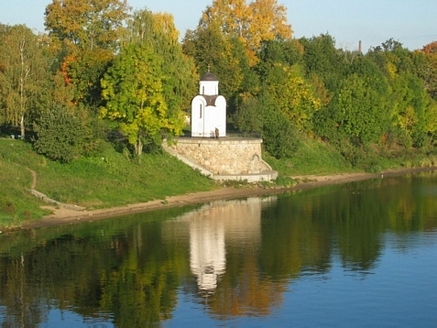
(24, 67)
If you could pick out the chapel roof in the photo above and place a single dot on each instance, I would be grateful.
(208, 77)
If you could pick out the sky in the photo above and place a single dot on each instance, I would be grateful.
(411, 22)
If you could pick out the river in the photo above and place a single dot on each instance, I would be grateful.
(357, 254)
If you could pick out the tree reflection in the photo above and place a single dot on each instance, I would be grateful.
(236, 257)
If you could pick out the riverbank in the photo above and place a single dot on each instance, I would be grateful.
(61, 216)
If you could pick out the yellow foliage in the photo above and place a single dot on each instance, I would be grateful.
(164, 24)
(253, 23)
(407, 119)
(391, 70)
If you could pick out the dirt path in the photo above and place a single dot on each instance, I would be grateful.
(64, 215)
(53, 204)
(34, 178)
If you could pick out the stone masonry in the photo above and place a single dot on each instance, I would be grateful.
(224, 156)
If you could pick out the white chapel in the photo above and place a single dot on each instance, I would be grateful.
(208, 109)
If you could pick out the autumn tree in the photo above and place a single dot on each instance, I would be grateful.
(87, 34)
(157, 31)
(430, 51)
(86, 24)
(252, 23)
(224, 55)
(133, 89)
(24, 68)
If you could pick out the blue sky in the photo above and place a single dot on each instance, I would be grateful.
(411, 22)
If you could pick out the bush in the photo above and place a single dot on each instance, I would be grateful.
(59, 135)
(280, 136)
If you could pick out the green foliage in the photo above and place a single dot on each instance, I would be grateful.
(413, 110)
(280, 136)
(133, 90)
(224, 55)
(321, 58)
(249, 116)
(293, 95)
(82, 73)
(157, 31)
(359, 110)
(60, 135)
(285, 52)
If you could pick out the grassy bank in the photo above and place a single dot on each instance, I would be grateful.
(317, 158)
(112, 179)
(98, 182)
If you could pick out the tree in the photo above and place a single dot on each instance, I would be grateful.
(393, 59)
(86, 24)
(409, 77)
(82, 72)
(261, 114)
(24, 74)
(86, 34)
(414, 111)
(321, 58)
(259, 21)
(60, 135)
(134, 94)
(279, 134)
(294, 96)
(360, 110)
(285, 52)
(430, 51)
(224, 55)
(359, 115)
(158, 32)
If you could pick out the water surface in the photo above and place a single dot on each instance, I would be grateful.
(358, 254)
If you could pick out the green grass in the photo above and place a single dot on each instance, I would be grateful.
(112, 180)
(311, 158)
(16, 201)
(314, 157)
(99, 182)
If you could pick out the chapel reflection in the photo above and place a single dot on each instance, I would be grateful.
(224, 242)
(212, 228)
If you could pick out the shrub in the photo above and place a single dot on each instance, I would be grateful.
(280, 136)
(59, 135)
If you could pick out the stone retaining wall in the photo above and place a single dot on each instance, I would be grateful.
(224, 156)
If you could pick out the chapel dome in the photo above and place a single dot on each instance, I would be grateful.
(208, 77)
